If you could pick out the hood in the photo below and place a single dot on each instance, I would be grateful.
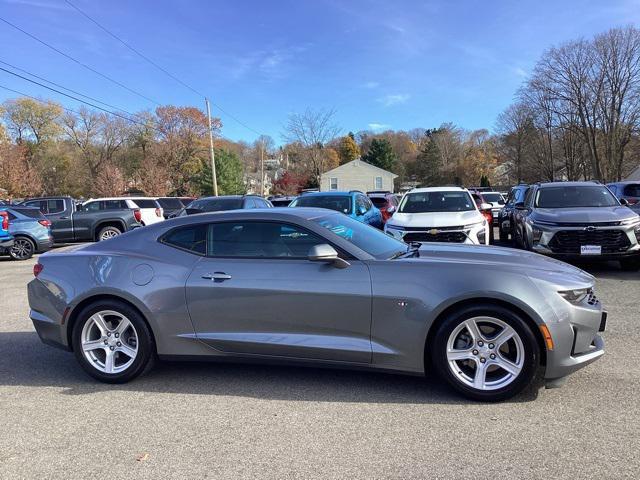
(435, 219)
(583, 214)
(529, 263)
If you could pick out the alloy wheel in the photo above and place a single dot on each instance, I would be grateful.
(109, 341)
(485, 353)
(107, 234)
(22, 249)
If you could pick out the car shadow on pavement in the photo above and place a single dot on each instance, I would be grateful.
(25, 361)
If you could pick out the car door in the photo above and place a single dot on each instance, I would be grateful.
(257, 293)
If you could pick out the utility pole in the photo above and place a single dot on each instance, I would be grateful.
(262, 168)
(213, 159)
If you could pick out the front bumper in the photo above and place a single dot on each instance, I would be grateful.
(476, 235)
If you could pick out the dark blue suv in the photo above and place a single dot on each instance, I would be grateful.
(354, 204)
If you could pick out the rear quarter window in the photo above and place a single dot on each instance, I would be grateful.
(30, 212)
(192, 238)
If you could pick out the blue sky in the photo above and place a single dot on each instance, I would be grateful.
(379, 64)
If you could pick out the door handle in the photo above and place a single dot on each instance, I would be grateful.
(216, 276)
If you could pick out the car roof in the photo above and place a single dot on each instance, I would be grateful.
(334, 193)
(624, 182)
(569, 184)
(438, 189)
(276, 213)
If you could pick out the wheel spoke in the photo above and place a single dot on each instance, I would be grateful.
(109, 361)
(507, 365)
(122, 326)
(505, 335)
(473, 329)
(127, 350)
(98, 319)
(93, 345)
(459, 355)
(481, 375)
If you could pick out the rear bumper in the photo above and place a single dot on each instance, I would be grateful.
(44, 245)
(48, 315)
(49, 332)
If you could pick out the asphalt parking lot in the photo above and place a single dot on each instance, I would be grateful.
(239, 421)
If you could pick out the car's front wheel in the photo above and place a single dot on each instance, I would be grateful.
(112, 342)
(485, 352)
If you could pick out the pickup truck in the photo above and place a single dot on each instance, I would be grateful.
(70, 223)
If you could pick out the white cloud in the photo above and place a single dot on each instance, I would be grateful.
(395, 99)
(379, 126)
(519, 72)
(371, 85)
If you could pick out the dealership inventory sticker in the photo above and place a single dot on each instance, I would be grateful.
(590, 250)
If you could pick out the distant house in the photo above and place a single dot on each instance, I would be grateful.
(357, 175)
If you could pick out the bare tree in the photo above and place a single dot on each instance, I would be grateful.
(515, 126)
(312, 129)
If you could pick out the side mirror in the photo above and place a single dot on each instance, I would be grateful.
(362, 210)
(485, 206)
(193, 211)
(327, 254)
(519, 206)
(624, 201)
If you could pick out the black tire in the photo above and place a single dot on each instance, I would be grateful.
(502, 236)
(531, 352)
(146, 351)
(108, 232)
(23, 248)
(631, 264)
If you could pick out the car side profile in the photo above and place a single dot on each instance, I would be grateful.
(224, 203)
(203, 287)
(31, 232)
(354, 204)
(150, 210)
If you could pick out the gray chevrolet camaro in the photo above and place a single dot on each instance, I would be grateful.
(312, 286)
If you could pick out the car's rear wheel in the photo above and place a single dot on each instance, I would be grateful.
(22, 249)
(485, 352)
(112, 342)
(108, 232)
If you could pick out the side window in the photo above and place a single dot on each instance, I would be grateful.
(39, 204)
(192, 238)
(249, 203)
(528, 196)
(260, 240)
(260, 203)
(113, 204)
(55, 206)
(361, 203)
(333, 183)
(91, 207)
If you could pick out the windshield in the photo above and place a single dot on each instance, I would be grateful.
(216, 204)
(170, 203)
(493, 198)
(632, 190)
(576, 196)
(379, 202)
(332, 202)
(370, 239)
(423, 202)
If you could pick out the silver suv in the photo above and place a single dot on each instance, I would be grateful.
(578, 220)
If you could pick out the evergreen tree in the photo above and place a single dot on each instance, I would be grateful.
(348, 149)
(427, 165)
(228, 175)
(381, 154)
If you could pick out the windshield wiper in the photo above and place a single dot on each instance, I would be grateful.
(412, 250)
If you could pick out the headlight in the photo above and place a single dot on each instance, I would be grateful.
(631, 221)
(575, 296)
(537, 234)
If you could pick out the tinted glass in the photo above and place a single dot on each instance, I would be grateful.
(332, 202)
(632, 190)
(260, 240)
(192, 238)
(493, 198)
(55, 206)
(217, 204)
(145, 203)
(91, 207)
(39, 204)
(423, 202)
(114, 204)
(580, 196)
(280, 203)
(379, 202)
(371, 240)
(30, 212)
(170, 203)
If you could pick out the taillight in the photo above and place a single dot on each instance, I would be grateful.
(5, 220)
(37, 268)
(158, 212)
(137, 215)
(487, 214)
(44, 223)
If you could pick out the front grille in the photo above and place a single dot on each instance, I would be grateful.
(452, 237)
(422, 229)
(570, 241)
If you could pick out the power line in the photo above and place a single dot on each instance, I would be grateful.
(166, 72)
(84, 65)
(79, 100)
(22, 94)
(68, 89)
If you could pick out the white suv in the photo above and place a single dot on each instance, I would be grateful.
(439, 214)
(150, 210)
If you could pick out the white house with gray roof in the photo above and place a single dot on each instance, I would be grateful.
(357, 175)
